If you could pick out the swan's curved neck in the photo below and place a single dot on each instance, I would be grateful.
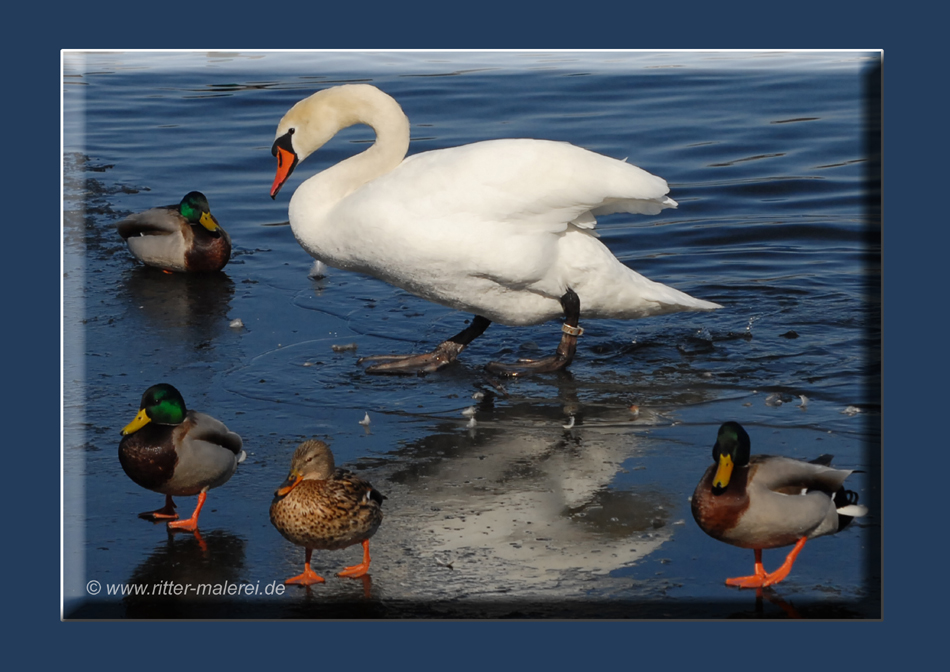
(332, 110)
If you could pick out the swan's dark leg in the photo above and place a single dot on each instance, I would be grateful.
(443, 355)
(565, 349)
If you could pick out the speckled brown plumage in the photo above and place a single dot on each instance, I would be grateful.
(321, 507)
(328, 515)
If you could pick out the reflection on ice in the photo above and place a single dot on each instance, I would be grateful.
(520, 509)
(189, 561)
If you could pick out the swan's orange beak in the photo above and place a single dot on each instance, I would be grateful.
(286, 162)
(283, 149)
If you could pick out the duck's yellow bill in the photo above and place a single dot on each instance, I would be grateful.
(140, 421)
(208, 221)
(724, 472)
(292, 481)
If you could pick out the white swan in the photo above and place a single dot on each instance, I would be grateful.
(502, 229)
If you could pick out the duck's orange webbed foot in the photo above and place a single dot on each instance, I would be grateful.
(356, 571)
(166, 512)
(309, 577)
(754, 581)
(190, 524)
(786, 567)
(761, 578)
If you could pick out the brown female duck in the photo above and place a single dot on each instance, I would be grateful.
(766, 501)
(184, 237)
(174, 451)
(322, 507)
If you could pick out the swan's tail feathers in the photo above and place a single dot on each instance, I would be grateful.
(636, 206)
(707, 305)
(697, 304)
(702, 304)
(677, 300)
(665, 299)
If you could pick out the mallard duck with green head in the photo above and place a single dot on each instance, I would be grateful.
(322, 507)
(768, 501)
(183, 238)
(174, 451)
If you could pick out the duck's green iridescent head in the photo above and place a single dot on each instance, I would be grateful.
(194, 207)
(161, 404)
(732, 450)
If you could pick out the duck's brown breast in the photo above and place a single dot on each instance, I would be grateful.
(207, 252)
(148, 456)
(717, 514)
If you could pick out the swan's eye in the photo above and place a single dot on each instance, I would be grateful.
(284, 142)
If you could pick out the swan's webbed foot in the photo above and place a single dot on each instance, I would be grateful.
(524, 367)
(565, 349)
(427, 362)
(443, 355)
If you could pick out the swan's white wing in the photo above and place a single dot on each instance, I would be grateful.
(519, 182)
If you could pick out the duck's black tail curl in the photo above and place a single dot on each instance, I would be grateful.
(842, 499)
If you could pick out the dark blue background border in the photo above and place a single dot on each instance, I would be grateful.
(914, 233)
